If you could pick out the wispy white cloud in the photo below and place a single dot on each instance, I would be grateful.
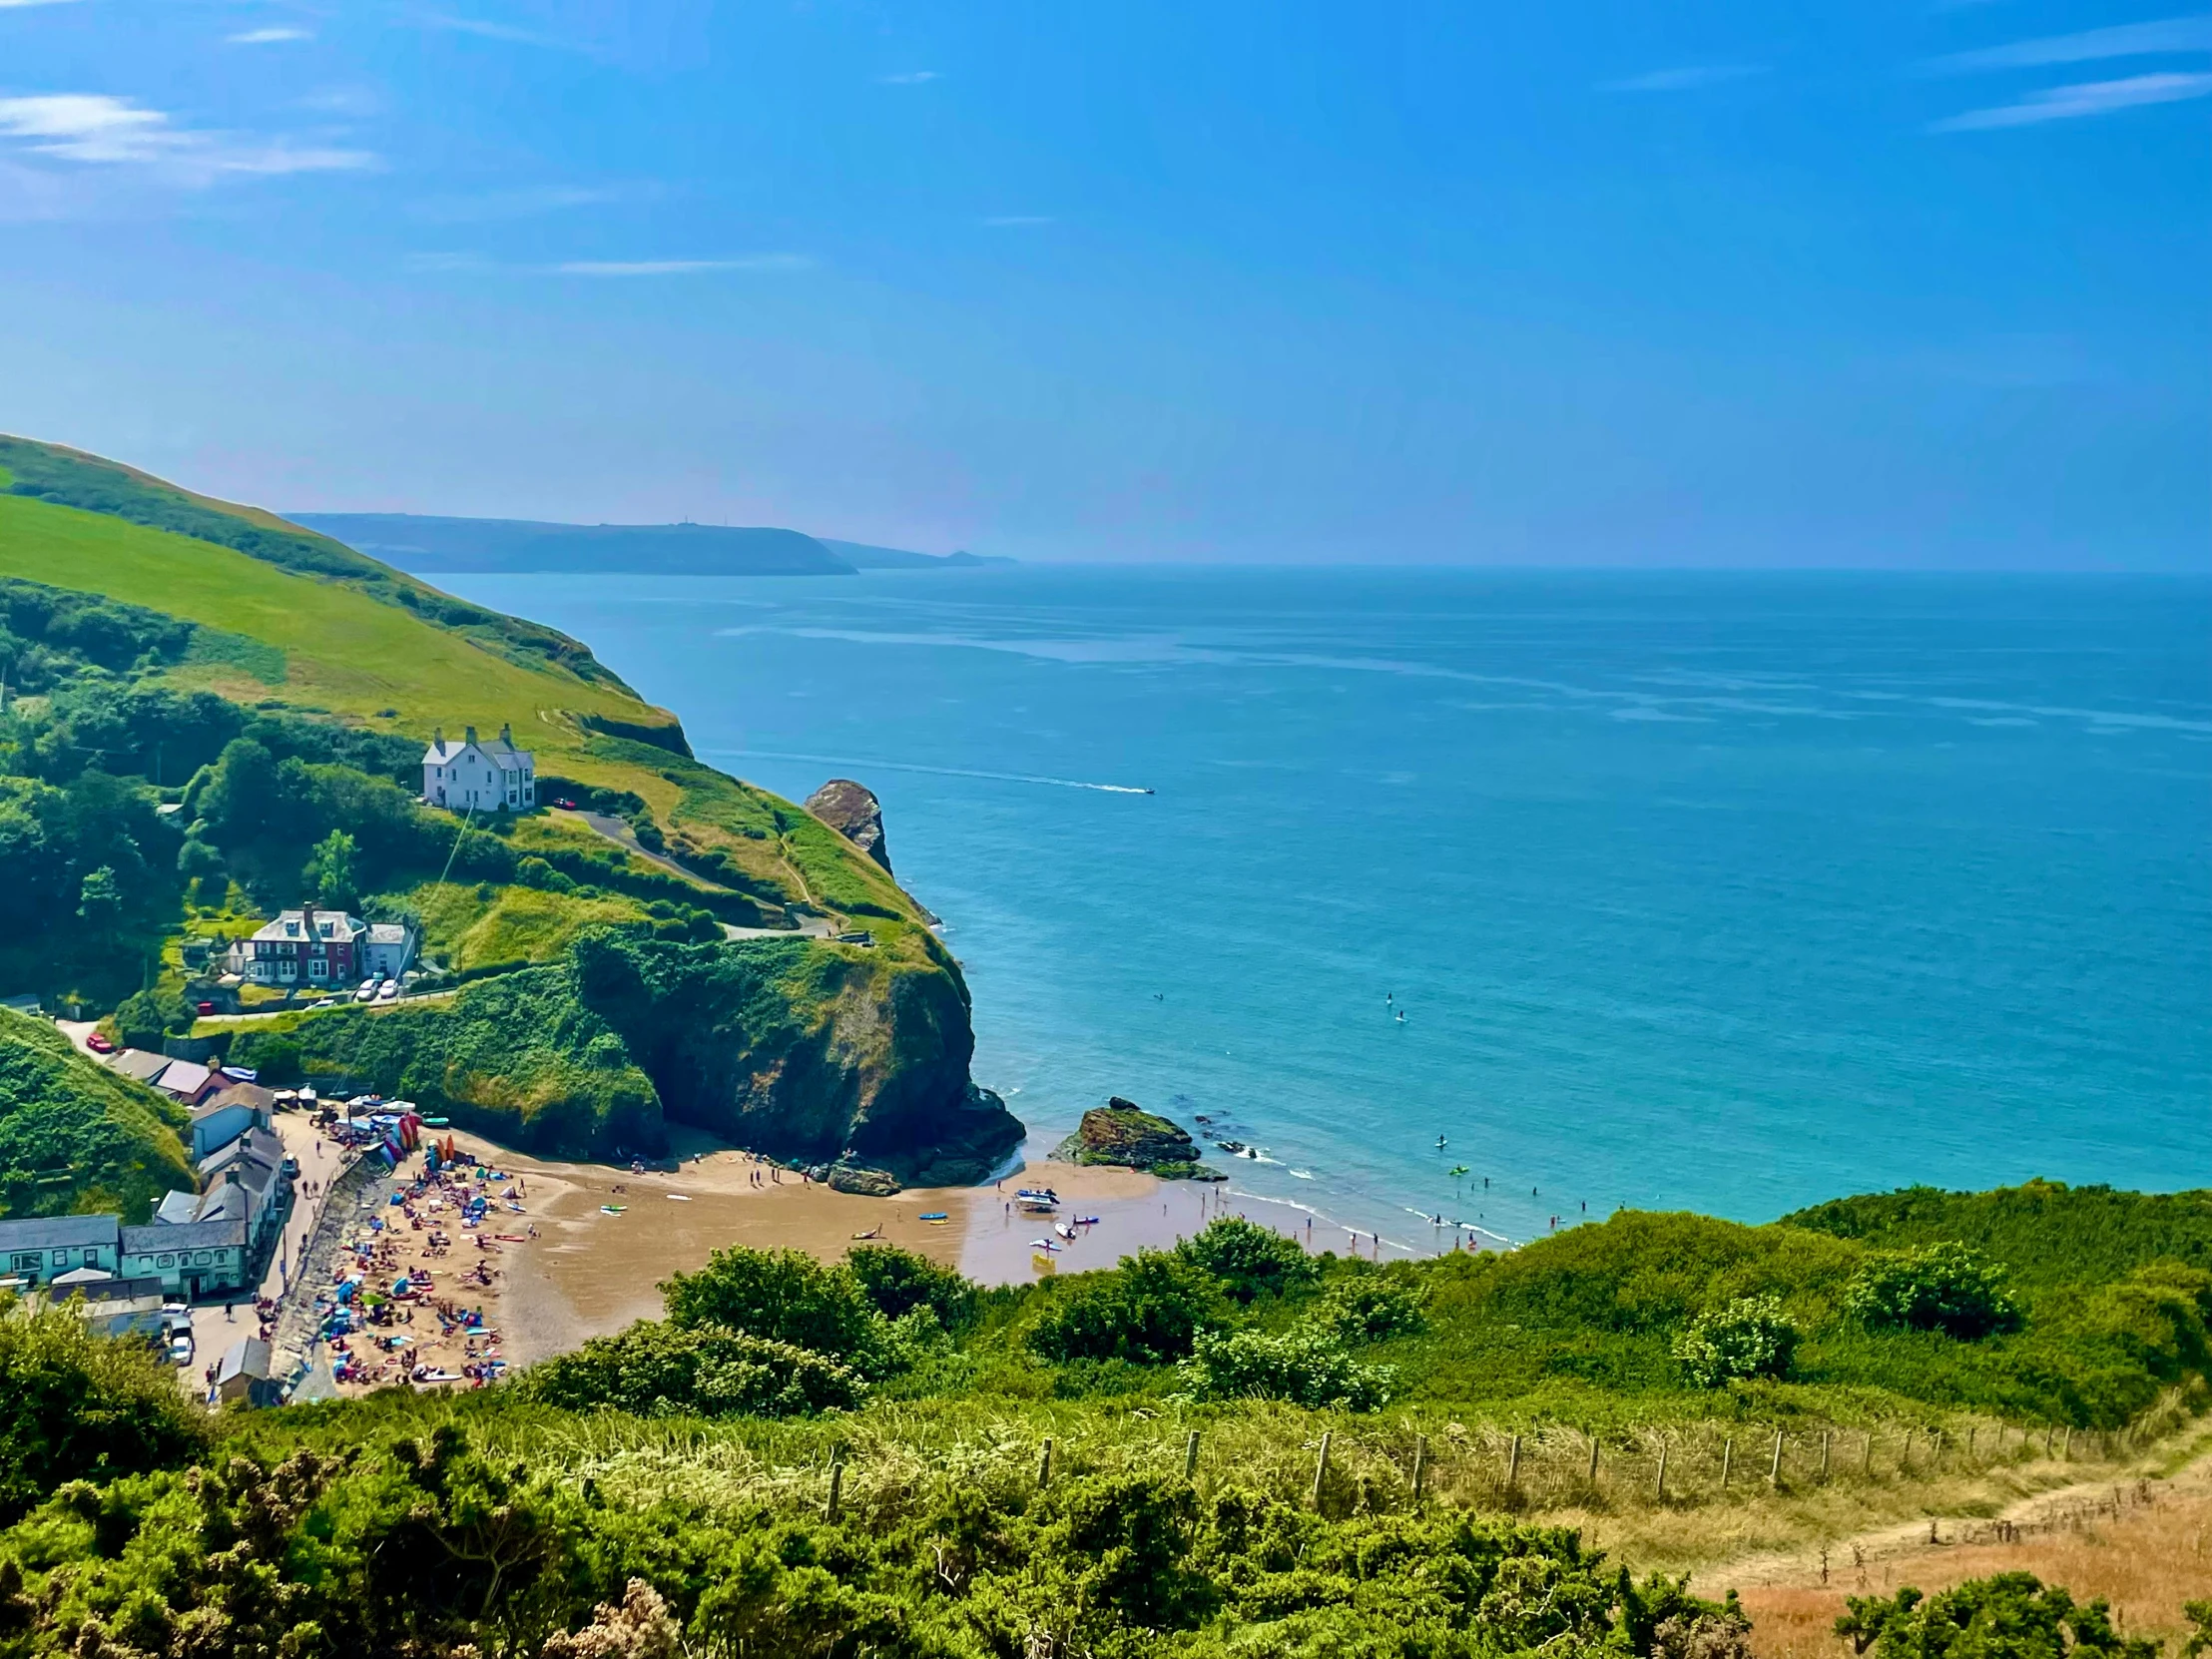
(2121, 40)
(484, 29)
(96, 130)
(2088, 98)
(431, 262)
(911, 78)
(678, 267)
(1007, 222)
(8, 5)
(519, 204)
(1687, 77)
(268, 37)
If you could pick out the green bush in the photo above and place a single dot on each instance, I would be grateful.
(75, 1406)
(898, 1280)
(1249, 1260)
(2009, 1616)
(1369, 1308)
(1748, 1338)
(1939, 1286)
(783, 1295)
(1149, 1310)
(1307, 1366)
(656, 1368)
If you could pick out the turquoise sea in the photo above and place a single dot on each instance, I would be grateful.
(1718, 891)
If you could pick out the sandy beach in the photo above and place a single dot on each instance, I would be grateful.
(578, 1248)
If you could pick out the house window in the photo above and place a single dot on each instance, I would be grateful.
(165, 1260)
(319, 969)
(26, 1261)
(203, 1256)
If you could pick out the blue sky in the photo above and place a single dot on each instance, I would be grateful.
(1891, 285)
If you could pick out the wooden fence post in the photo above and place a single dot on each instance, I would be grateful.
(1044, 1463)
(1728, 1460)
(1662, 1469)
(1774, 1469)
(1321, 1467)
(837, 1484)
(1420, 1466)
(2066, 1451)
(1866, 1456)
(1591, 1477)
(1936, 1443)
(1190, 1456)
(1512, 1464)
(1823, 1453)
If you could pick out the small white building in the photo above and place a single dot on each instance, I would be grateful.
(469, 776)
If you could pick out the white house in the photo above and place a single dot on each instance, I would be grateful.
(469, 776)
(388, 950)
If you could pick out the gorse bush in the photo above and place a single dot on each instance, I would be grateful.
(1748, 1338)
(657, 1369)
(1306, 1366)
(2009, 1616)
(1939, 1286)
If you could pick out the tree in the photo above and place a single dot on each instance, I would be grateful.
(2009, 1616)
(239, 793)
(1748, 1338)
(656, 1368)
(1249, 1259)
(100, 902)
(1939, 1286)
(73, 1405)
(331, 873)
(1368, 1309)
(1308, 1366)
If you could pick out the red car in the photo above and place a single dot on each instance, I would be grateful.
(99, 1044)
(206, 1007)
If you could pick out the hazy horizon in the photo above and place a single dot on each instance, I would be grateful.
(1584, 287)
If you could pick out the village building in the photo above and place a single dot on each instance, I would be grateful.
(223, 1117)
(473, 777)
(244, 1373)
(192, 1260)
(306, 946)
(41, 1248)
(187, 1081)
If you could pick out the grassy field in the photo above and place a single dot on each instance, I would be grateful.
(470, 925)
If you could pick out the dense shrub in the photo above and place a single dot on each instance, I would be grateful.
(1369, 1308)
(1249, 1260)
(2009, 1616)
(73, 1404)
(658, 1369)
(784, 1296)
(1748, 1338)
(898, 1280)
(1307, 1366)
(1939, 1286)
(1148, 1310)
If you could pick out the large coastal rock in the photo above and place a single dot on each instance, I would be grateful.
(1121, 1132)
(853, 811)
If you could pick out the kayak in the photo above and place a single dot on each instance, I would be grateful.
(934, 1215)
(612, 1209)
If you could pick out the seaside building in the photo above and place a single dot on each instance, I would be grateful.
(40, 1249)
(469, 775)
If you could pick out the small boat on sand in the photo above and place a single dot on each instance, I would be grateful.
(934, 1215)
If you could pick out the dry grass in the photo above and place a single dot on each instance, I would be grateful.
(2143, 1545)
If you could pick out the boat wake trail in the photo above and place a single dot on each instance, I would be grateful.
(936, 772)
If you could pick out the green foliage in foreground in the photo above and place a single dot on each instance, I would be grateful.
(1939, 1286)
(2009, 1616)
(1749, 1338)
(1306, 1366)
(74, 1407)
(417, 1546)
(658, 1369)
(76, 1137)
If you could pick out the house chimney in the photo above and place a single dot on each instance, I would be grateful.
(468, 733)
(506, 734)
(437, 737)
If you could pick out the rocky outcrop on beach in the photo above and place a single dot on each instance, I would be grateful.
(1121, 1132)
(867, 1183)
(853, 811)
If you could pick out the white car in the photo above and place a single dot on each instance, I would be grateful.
(388, 990)
(180, 1350)
(367, 991)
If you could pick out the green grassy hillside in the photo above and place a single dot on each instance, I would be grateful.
(76, 1138)
(216, 713)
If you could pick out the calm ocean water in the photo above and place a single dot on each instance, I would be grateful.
(1728, 893)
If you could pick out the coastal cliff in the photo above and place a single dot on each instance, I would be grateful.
(256, 697)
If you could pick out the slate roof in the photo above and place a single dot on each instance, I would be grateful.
(59, 1231)
(141, 1063)
(195, 1235)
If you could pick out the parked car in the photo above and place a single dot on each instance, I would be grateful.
(367, 991)
(180, 1349)
(205, 1007)
(388, 990)
(99, 1044)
